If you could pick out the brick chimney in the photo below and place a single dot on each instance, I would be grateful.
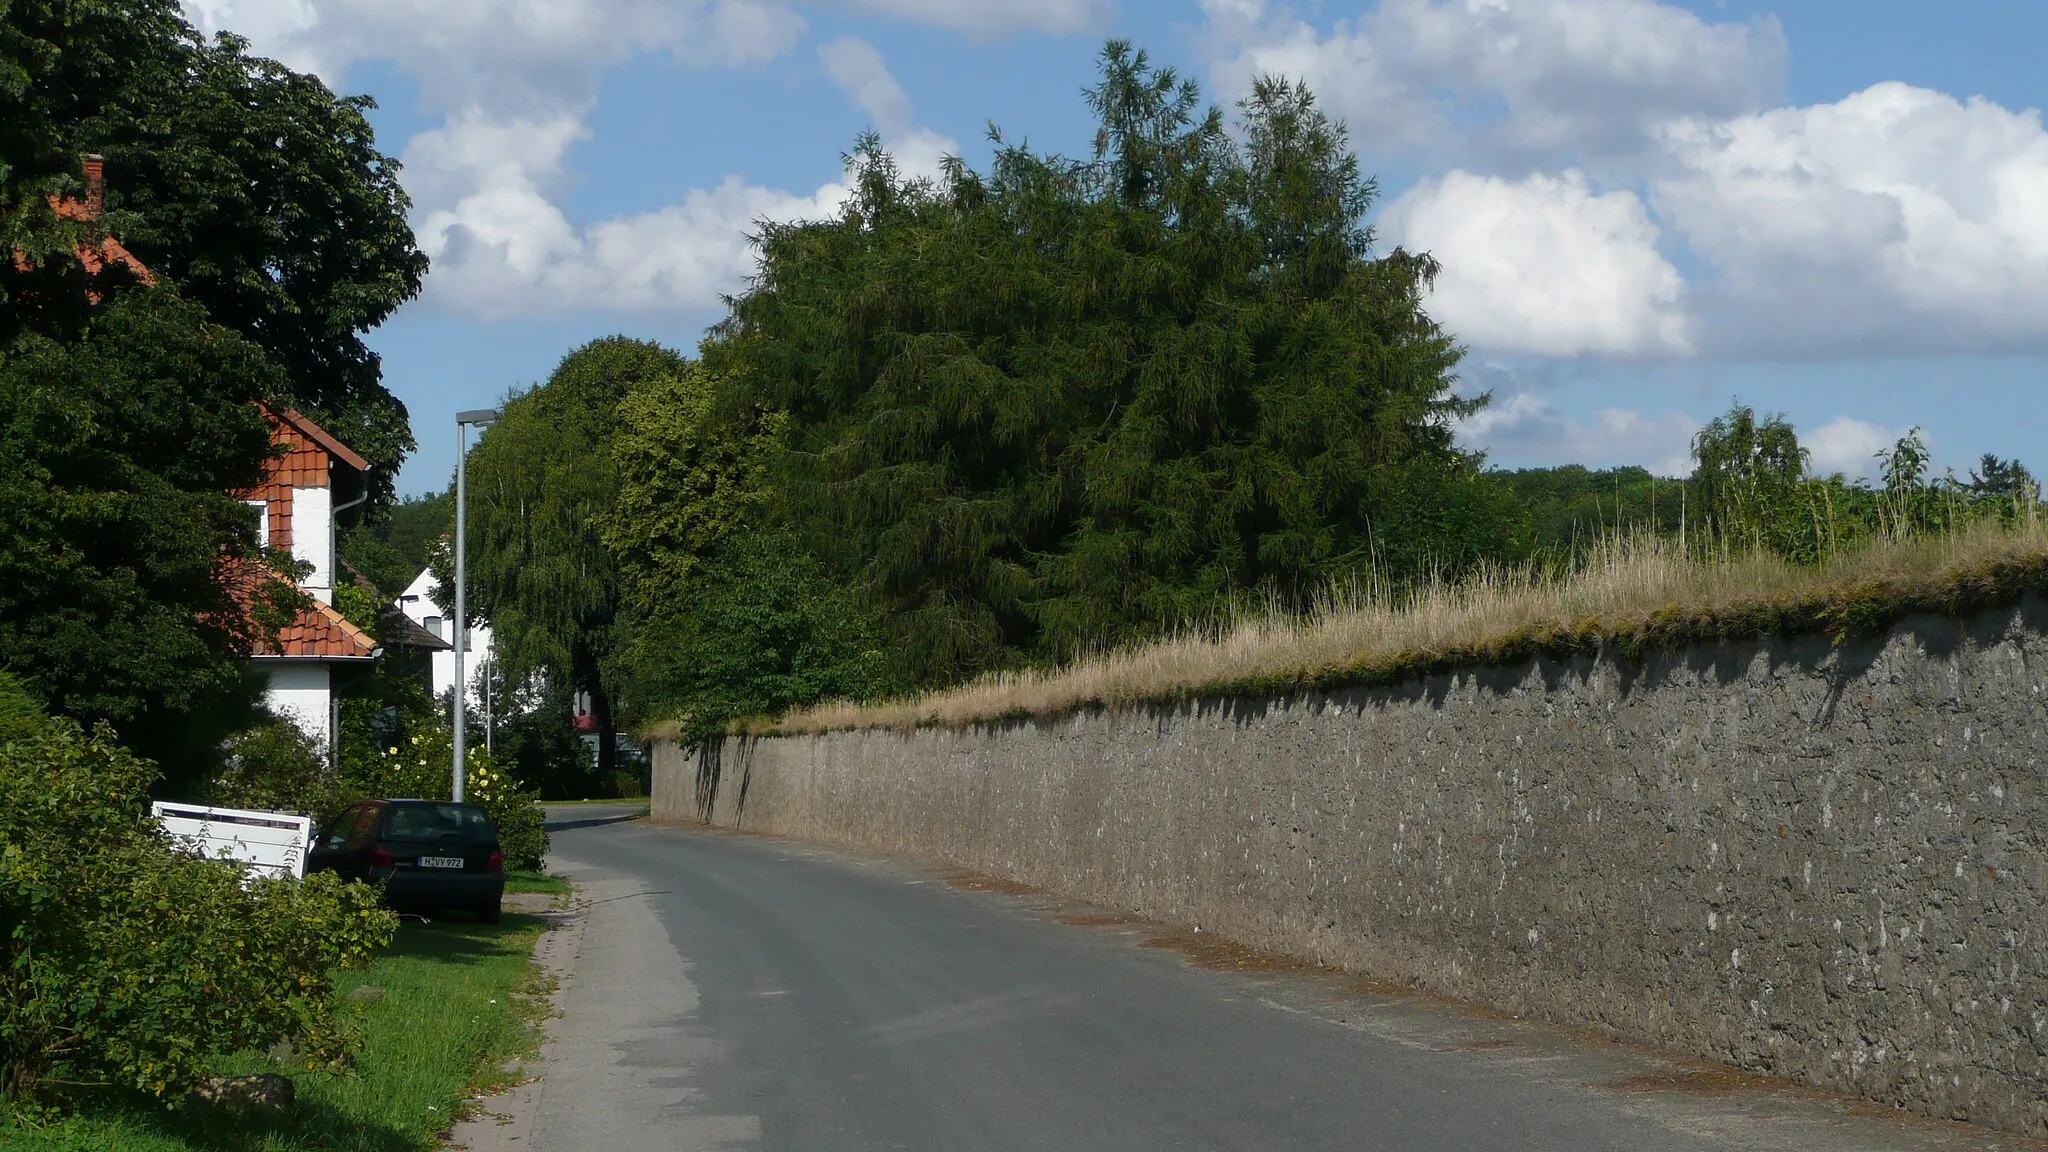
(95, 184)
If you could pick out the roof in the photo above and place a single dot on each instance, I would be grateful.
(320, 633)
(317, 632)
(321, 436)
(408, 634)
(95, 256)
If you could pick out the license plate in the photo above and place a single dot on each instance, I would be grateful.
(440, 861)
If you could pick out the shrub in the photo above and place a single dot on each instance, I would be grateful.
(522, 834)
(416, 768)
(276, 767)
(19, 712)
(124, 963)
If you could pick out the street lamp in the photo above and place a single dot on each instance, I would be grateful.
(482, 418)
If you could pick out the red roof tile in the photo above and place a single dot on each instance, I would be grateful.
(323, 438)
(320, 632)
(95, 257)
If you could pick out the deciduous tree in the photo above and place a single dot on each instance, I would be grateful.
(276, 234)
(255, 189)
(541, 487)
(117, 454)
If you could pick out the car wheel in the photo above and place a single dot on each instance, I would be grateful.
(490, 913)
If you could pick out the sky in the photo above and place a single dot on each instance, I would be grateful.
(1644, 211)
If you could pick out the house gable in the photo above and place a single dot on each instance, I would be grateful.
(297, 498)
(297, 495)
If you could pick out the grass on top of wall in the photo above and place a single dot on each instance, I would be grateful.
(1629, 596)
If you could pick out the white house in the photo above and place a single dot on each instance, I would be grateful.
(315, 482)
(417, 602)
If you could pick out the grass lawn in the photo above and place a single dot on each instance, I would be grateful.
(460, 999)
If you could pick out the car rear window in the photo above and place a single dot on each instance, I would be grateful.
(438, 822)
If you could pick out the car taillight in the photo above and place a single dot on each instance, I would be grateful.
(496, 863)
(381, 858)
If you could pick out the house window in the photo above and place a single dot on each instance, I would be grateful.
(433, 624)
(259, 515)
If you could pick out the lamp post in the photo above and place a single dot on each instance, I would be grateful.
(482, 418)
(490, 726)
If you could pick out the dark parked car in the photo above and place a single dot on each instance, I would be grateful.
(430, 855)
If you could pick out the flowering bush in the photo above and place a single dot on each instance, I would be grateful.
(415, 770)
(522, 835)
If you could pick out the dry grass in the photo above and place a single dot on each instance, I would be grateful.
(1629, 594)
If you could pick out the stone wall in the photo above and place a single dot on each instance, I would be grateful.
(1820, 862)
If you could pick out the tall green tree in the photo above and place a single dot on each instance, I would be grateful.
(690, 478)
(255, 189)
(276, 235)
(2003, 480)
(541, 487)
(724, 616)
(1070, 402)
(117, 454)
(1571, 507)
(763, 629)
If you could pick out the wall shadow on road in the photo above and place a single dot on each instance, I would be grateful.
(589, 821)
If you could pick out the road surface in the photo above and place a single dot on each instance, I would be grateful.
(741, 992)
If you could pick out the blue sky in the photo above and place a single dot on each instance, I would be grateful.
(1644, 210)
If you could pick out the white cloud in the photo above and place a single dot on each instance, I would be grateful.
(858, 69)
(682, 256)
(1525, 430)
(1519, 81)
(509, 55)
(503, 248)
(1544, 265)
(1849, 446)
(1897, 220)
(996, 17)
(461, 50)
(516, 80)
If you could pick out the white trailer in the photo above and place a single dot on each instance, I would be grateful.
(268, 843)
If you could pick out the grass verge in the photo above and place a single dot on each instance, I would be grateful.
(1628, 597)
(525, 880)
(459, 1000)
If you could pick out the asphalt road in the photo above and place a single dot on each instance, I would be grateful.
(738, 992)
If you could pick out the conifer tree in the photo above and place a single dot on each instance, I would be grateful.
(1070, 402)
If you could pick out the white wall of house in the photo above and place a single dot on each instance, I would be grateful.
(313, 539)
(303, 691)
(417, 602)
